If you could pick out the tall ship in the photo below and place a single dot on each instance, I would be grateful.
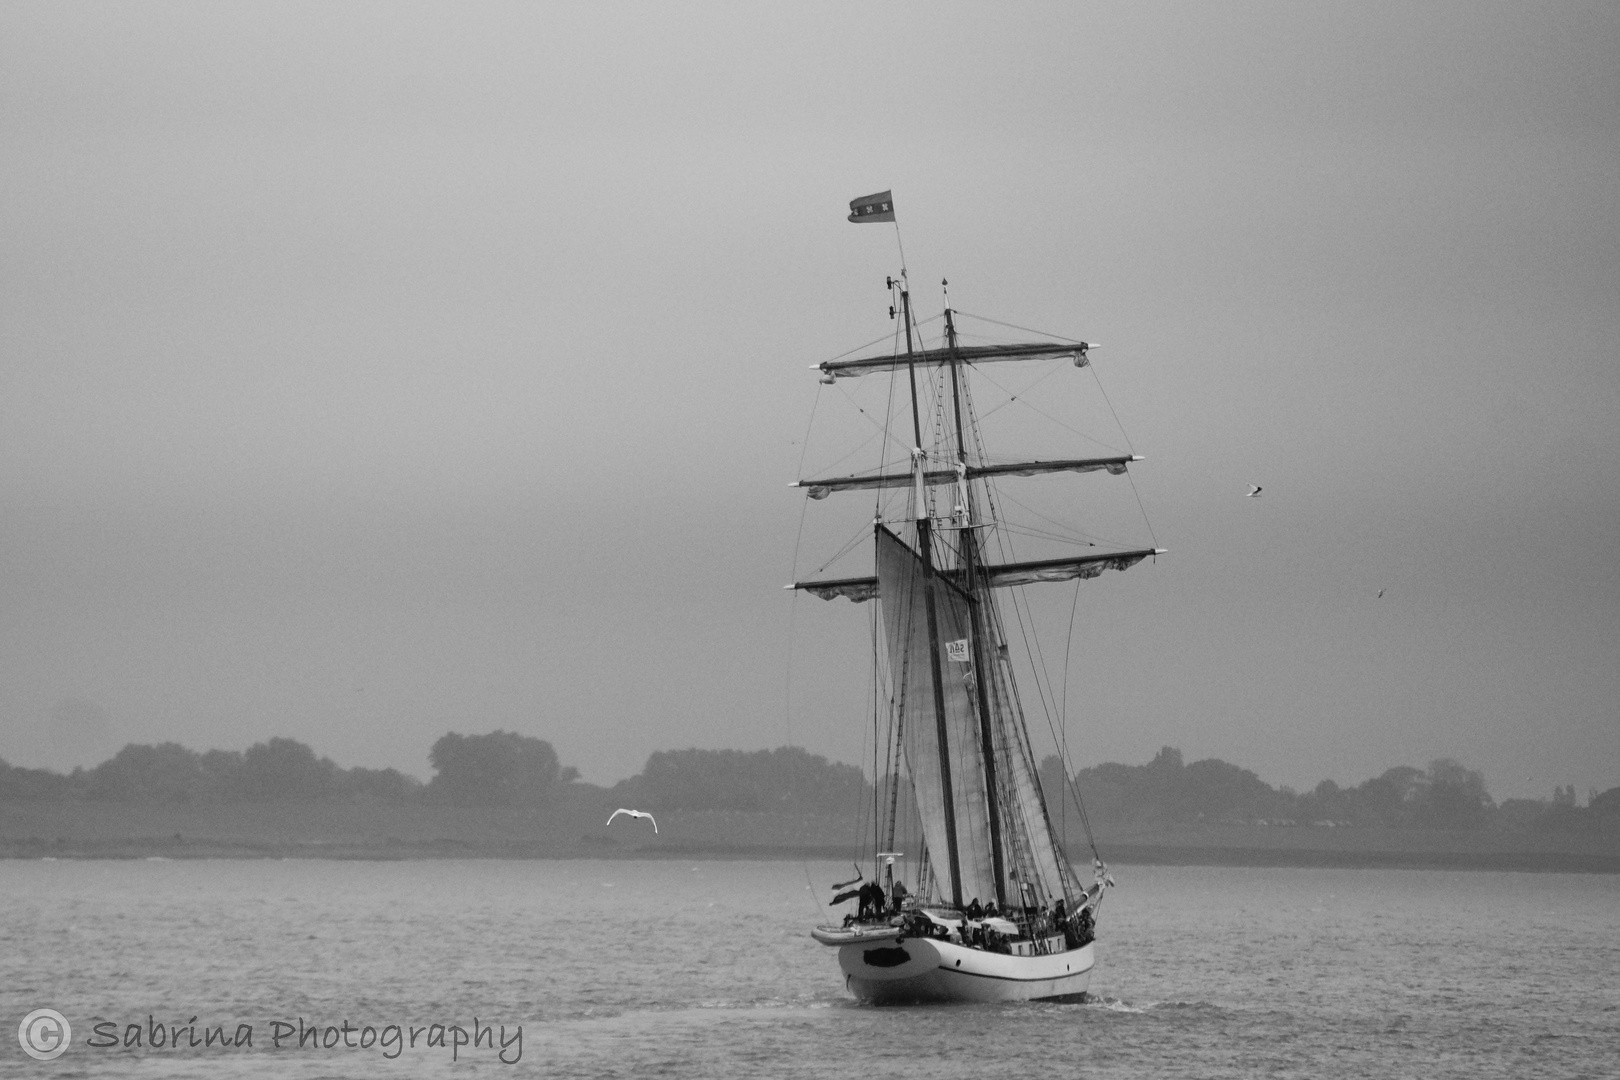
(994, 910)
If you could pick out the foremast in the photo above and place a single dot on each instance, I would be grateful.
(925, 555)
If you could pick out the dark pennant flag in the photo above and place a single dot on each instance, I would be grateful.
(879, 207)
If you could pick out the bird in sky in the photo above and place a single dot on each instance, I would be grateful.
(1254, 489)
(634, 813)
(1380, 595)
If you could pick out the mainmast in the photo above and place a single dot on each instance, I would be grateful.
(969, 572)
(924, 527)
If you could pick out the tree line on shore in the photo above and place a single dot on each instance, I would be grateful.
(503, 768)
(500, 768)
(1446, 795)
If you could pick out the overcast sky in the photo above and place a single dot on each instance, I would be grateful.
(373, 371)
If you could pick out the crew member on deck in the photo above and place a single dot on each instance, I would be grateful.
(899, 896)
(1084, 931)
(866, 900)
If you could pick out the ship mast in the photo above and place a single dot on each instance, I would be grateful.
(969, 573)
(957, 602)
(924, 528)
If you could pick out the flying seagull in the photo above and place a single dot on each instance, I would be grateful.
(1255, 490)
(1380, 595)
(634, 813)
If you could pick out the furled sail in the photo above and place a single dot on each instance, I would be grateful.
(967, 354)
(858, 589)
(906, 584)
(1002, 576)
(820, 489)
(1084, 567)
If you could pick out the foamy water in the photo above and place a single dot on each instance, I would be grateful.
(640, 969)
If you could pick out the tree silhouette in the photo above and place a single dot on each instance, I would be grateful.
(1453, 797)
(167, 772)
(502, 768)
(285, 769)
(781, 779)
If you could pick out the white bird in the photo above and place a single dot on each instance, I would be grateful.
(634, 813)
(1255, 490)
(1380, 595)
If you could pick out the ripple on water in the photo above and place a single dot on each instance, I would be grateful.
(1206, 972)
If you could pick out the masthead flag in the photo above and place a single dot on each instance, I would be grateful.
(879, 207)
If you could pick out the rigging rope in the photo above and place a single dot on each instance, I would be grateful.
(793, 605)
(876, 820)
(1055, 368)
(1070, 536)
(1015, 326)
(793, 609)
(1063, 709)
(1126, 436)
(1003, 540)
(1066, 876)
(1098, 379)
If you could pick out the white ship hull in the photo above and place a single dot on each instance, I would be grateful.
(917, 969)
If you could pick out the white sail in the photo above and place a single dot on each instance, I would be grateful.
(1024, 797)
(906, 584)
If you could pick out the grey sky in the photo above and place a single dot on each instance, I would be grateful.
(368, 372)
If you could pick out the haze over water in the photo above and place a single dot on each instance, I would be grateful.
(373, 371)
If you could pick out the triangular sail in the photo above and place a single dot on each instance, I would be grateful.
(906, 584)
(1023, 792)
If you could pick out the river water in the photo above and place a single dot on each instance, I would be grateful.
(675, 969)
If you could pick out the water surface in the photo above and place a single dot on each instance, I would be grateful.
(639, 969)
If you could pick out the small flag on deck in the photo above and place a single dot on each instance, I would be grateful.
(879, 207)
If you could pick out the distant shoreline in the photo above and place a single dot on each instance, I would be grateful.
(391, 832)
(1559, 862)
(1563, 862)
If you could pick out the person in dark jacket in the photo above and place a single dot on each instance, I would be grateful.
(878, 900)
